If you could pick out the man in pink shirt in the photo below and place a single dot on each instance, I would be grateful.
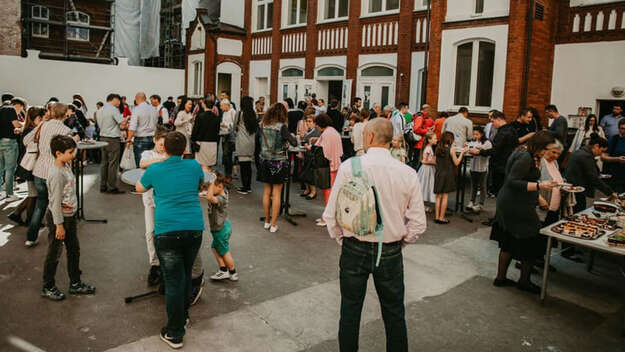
(403, 214)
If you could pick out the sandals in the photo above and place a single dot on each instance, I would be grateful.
(311, 198)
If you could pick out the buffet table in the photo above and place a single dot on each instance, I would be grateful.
(598, 244)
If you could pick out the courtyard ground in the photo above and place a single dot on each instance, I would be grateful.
(288, 298)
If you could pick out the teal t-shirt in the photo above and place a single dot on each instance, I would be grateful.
(176, 183)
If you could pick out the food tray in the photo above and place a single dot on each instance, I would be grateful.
(584, 227)
(616, 239)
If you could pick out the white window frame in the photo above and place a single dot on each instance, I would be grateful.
(473, 10)
(420, 5)
(322, 12)
(287, 12)
(474, 68)
(76, 36)
(197, 78)
(365, 9)
(39, 25)
(257, 4)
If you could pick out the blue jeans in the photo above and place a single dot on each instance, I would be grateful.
(176, 253)
(40, 209)
(140, 145)
(8, 162)
(356, 264)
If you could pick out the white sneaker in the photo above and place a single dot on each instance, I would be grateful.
(12, 198)
(477, 208)
(321, 223)
(267, 226)
(234, 277)
(470, 206)
(273, 229)
(221, 275)
(319, 220)
(30, 244)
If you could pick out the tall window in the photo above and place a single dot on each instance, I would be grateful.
(264, 14)
(40, 30)
(336, 9)
(197, 78)
(475, 64)
(77, 33)
(479, 6)
(383, 5)
(298, 10)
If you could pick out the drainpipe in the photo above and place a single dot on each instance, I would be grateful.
(424, 93)
(528, 52)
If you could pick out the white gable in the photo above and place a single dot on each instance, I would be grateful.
(198, 37)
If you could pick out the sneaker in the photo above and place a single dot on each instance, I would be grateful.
(154, 277)
(267, 226)
(52, 294)
(321, 223)
(242, 190)
(470, 206)
(31, 244)
(220, 275)
(172, 342)
(273, 229)
(477, 208)
(234, 277)
(81, 288)
(196, 292)
(12, 198)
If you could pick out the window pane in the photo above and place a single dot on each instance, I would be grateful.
(479, 6)
(392, 4)
(377, 71)
(367, 100)
(303, 11)
(83, 33)
(375, 5)
(285, 92)
(384, 100)
(260, 17)
(485, 71)
(83, 18)
(343, 8)
(292, 12)
(36, 11)
(269, 15)
(44, 12)
(330, 71)
(292, 72)
(330, 9)
(463, 74)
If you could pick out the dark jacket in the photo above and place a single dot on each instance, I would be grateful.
(337, 119)
(206, 127)
(516, 206)
(581, 170)
(560, 129)
(294, 116)
(505, 142)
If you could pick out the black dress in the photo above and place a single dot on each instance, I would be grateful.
(445, 175)
(516, 223)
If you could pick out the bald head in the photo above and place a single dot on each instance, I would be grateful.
(378, 133)
(140, 97)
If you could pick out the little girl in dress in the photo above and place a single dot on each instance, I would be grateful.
(398, 148)
(428, 169)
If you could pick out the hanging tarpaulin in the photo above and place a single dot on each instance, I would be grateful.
(137, 29)
(189, 8)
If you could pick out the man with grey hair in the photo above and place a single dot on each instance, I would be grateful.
(400, 206)
(226, 131)
(142, 127)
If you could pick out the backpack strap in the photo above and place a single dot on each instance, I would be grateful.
(356, 167)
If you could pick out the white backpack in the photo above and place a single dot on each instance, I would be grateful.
(357, 209)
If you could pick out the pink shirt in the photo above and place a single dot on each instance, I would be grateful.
(332, 145)
(399, 194)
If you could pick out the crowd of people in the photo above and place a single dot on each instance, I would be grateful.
(410, 161)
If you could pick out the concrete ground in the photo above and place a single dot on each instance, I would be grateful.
(287, 298)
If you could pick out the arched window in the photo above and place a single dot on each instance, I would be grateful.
(292, 72)
(331, 72)
(377, 71)
(475, 64)
(77, 33)
(40, 30)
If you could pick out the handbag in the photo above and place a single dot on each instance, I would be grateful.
(128, 160)
(321, 167)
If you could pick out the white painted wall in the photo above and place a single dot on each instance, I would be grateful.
(233, 12)
(583, 73)
(260, 69)
(415, 93)
(330, 60)
(461, 10)
(235, 71)
(591, 2)
(229, 47)
(191, 59)
(450, 39)
(198, 38)
(295, 63)
(384, 59)
(37, 80)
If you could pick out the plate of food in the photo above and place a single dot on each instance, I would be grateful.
(572, 189)
(617, 239)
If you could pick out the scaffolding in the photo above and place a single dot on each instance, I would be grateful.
(171, 48)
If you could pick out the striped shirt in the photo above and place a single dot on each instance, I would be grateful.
(479, 163)
(45, 160)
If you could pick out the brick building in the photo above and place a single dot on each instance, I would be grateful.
(484, 54)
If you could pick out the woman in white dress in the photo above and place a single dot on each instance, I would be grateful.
(184, 124)
(427, 171)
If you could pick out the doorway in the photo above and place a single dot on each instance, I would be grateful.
(224, 83)
(335, 90)
(605, 107)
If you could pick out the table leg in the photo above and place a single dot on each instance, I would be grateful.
(543, 289)
(286, 204)
(81, 195)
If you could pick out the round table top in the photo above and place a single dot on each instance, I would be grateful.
(94, 145)
(131, 177)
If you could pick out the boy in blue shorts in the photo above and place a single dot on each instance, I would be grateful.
(221, 229)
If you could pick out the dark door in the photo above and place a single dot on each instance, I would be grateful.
(605, 106)
(335, 90)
